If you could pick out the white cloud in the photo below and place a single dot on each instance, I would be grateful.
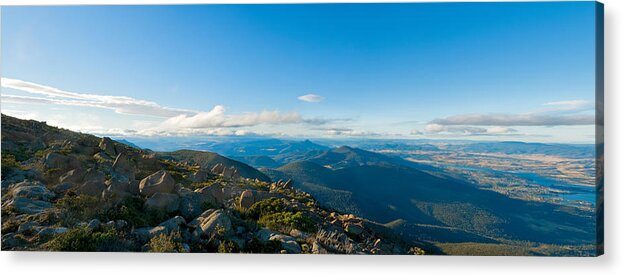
(217, 118)
(560, 113)
(468, 130)
(532, 119)
(120, 104)
(311, 98)
(573, 105)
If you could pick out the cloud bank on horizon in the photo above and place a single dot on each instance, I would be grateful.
(184, 122)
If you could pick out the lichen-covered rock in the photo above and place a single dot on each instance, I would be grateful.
(159, 182)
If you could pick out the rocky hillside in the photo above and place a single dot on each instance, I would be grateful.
(66, 191)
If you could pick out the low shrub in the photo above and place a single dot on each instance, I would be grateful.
(266, 207)
(228, 247)
(79, 208)
(85, 240)
(132, 211)
(171, 243)
(288, 220)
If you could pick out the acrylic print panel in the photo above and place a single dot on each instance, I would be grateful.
(414, 128)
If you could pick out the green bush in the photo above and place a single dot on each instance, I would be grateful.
(172, 243)
(288, 220)
(266, 207)
(84, 239)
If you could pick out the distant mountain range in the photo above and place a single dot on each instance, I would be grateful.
(420, 202)
(445, 209)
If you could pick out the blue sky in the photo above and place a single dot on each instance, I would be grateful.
(486, 71)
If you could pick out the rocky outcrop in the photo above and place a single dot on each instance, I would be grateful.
(80, 164)
(226, 172)
(159, 182)
(282, 185)
(123, 167)
(108, 146)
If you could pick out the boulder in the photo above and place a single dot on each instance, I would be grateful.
(108, 146)
(191, 205)
(159, 182)
(28, 227)
(146, 233)
(264, 234)
(217, 220)
(163, 201)
(27, 206)
(93, 183)
(198, 220)
(123, 167)
(246, 199)
(72, 177)
(94, 224)
(226, 172)
(173, 223)
(288, 243)
(199, 176)
(217, 169)
(213, 194)
(318, 249)
(148, 162)
(118, 184)
(32, 190)
(61, 162)
(249, 197)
